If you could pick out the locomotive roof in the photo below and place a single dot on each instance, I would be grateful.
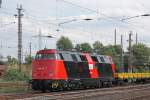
(47, 51)
(71, 52)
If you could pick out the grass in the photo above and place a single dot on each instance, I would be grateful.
(14, 90)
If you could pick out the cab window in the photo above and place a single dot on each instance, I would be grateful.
(45, 56)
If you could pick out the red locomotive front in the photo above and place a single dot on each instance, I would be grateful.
(46, 68)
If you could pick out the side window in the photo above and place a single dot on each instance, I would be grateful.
(58, 56)
(61, 57)
(83, 58)
(38, 56)
(102, 59)
(43, 56)
(67, 57)
(107, 59)
(74, 57)
(51, 56)
(94, 58)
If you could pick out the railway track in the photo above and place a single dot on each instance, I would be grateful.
(141, 97)
(111, 94)
(123, 93)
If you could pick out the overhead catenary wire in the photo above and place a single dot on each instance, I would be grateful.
(88, 9)
(91, 10)
(98, 12)
(6, 11)
(44, 21)
(65, 27)
(8, 24)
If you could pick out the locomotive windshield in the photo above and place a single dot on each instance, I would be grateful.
(45, 56)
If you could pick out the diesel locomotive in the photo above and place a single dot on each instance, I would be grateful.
(66, 70)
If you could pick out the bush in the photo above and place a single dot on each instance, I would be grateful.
(16, 75)
(2, 62)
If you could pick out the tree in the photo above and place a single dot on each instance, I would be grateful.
(118, 49)
(85, 47)
(78, 47)
(109, 50)
(141, 56)
(98, 47)
(64, 43)
(11, 61)
(28, 59)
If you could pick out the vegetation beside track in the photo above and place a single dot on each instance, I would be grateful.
(15, 75)
(14, 81)
(14, 87)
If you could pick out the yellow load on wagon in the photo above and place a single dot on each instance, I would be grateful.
(132, 75)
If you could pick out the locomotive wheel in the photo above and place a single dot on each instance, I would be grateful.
(55, 86)
(64, 86)
(69, 87)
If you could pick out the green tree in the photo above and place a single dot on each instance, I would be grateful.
(85, 47)
(98, 47)
(78, 47)
(28, 59)
(141, 56)
(109, 50)
(64, 43)
(118, 49)
(11, 61)
(15, 75)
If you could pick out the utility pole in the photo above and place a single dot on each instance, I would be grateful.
(136, 39)
(30, 48)
(40, 39)
(130, 69)
(115, 37)
(19, 16)
(122, 58)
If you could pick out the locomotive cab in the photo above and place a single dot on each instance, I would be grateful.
(46, 68)
(43, 65)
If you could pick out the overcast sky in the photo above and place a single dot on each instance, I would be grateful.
(45, 15)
